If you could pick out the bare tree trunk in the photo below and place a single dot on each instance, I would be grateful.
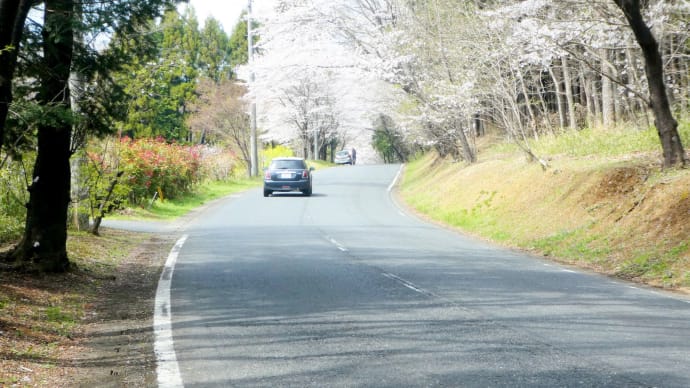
(544, 106)
(572, 119)
(667, 126)
(528, 104)
(519, 132)
(468, 153)
(685, 81)
(607, 104)
(637, 107)
(44, 244)
(102, 210)
(559, 97)
(686, 84)
(589, 99)
(596, 97)
(586, 81)
(80, 218)
(616, 95)
(677, 52)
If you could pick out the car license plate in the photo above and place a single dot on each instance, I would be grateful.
(285, 175)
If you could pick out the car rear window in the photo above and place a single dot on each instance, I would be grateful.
(287, 164)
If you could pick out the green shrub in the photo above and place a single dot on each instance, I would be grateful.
(275, 152)
(15, 176)
(220, 164)
(11, 228)
(154, 166)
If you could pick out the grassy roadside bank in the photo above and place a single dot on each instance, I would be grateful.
(616, 213)
(171, 209)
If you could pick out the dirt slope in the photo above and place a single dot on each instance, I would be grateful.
(625, 218)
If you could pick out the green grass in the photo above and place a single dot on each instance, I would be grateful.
(170, 209)
(319, 164)
(611, 142)
(604, 142)
(61, 322)
(658, 263)
(481, 218)
(578, 244)
(30, 352)
(646, 264)
(100, 255)
(675, 252)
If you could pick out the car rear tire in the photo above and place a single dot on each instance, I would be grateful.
(307, 192)
(267, 193)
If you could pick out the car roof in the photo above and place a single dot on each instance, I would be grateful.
(288, 158)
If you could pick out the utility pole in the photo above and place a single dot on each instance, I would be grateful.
(252, 137)
(316, 144)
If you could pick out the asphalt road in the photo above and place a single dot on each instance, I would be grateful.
(343, 289)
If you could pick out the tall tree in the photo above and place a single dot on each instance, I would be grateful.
(161, 86)
(239, 54)
(666, 125)
(13, 14)
(302, 41)
(43, 246)
(219, 116)
(388, 141)
(214, 51)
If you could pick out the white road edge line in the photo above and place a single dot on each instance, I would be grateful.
(390, 190)
(395, 180)
(337, 244)
(167, 370)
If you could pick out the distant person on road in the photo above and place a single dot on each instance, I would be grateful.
(353, 155)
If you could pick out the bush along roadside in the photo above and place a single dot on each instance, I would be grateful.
(124, 173)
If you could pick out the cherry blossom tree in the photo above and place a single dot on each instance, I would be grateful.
(526, 67)
(219, 116)
(300, 45)
(597, 37)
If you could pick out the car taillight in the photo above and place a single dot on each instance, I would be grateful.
(305, 174)
(267, 175)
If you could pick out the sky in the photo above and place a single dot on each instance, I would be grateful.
(225, 11)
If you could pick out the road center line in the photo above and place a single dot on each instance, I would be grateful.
(407, 284)
(337, 244)
(167, 370)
